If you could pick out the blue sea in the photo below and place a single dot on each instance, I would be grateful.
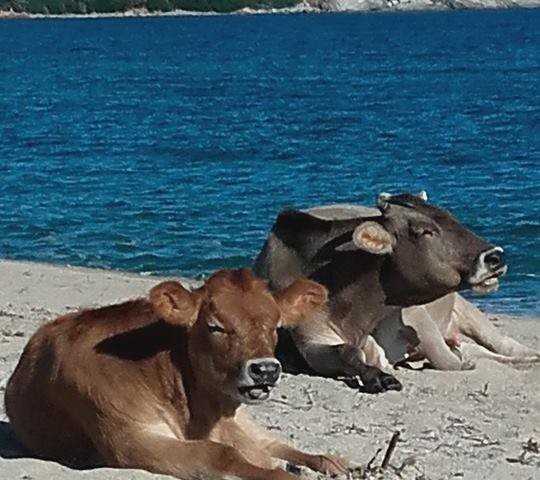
(168, 145)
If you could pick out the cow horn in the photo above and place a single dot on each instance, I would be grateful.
(382, 201)
(423, 195)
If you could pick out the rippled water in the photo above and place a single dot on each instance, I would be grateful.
(169, 145)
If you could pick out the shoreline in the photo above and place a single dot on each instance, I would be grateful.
(151, 278)
(368, 6)
(468, 424)
(148, 278)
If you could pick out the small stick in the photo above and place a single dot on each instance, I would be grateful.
(370, 463)
(390, 450)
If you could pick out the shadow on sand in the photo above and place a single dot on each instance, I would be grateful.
(9, 446)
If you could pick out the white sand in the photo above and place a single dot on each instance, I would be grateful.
(462, 425)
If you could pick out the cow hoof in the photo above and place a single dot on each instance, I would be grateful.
(372, 386)
(390, 383)
(330, 465)
(380, 384)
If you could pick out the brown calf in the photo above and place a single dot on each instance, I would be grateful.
(157, 384)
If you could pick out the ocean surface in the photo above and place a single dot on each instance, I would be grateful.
(168, 145)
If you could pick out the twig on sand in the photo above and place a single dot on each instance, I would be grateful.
(388, 454)
(529, 449)
(484, 391)
(370, 463)
(390, 450)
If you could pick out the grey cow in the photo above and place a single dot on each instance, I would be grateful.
(375, 263)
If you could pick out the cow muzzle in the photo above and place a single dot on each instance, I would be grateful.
(257, 378)
(490, 265)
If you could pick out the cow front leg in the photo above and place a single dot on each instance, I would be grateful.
(323, 463)
(374, 380)
(345, 360)
(183, 459)
(246, 432)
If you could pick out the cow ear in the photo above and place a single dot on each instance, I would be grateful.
(298, 301)
(174, 304)
(373, 238)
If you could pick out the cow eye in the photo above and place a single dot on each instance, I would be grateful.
(215, 328)
(423, 231)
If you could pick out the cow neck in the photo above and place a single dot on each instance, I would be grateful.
(399, 294)
(207, 406)
(356, 292)
(394, 285)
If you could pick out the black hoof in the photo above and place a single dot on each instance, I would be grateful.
(380, 384)
(390, 383)
(372, 386)
(351, 382)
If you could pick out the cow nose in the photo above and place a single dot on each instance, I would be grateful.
(264, 370)
(494, 259)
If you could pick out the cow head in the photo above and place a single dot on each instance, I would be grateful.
(232, 323)
(429, 253)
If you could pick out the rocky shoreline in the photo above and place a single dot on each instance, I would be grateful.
(306, 6)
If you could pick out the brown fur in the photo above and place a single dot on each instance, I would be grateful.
(153, 384)
(374, 264)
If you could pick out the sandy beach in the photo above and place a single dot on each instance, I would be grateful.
(480, 424)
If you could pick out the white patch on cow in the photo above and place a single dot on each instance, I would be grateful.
(375, 355)
(160, 429)
(246, 390)
(341, 211)
(485, 280)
